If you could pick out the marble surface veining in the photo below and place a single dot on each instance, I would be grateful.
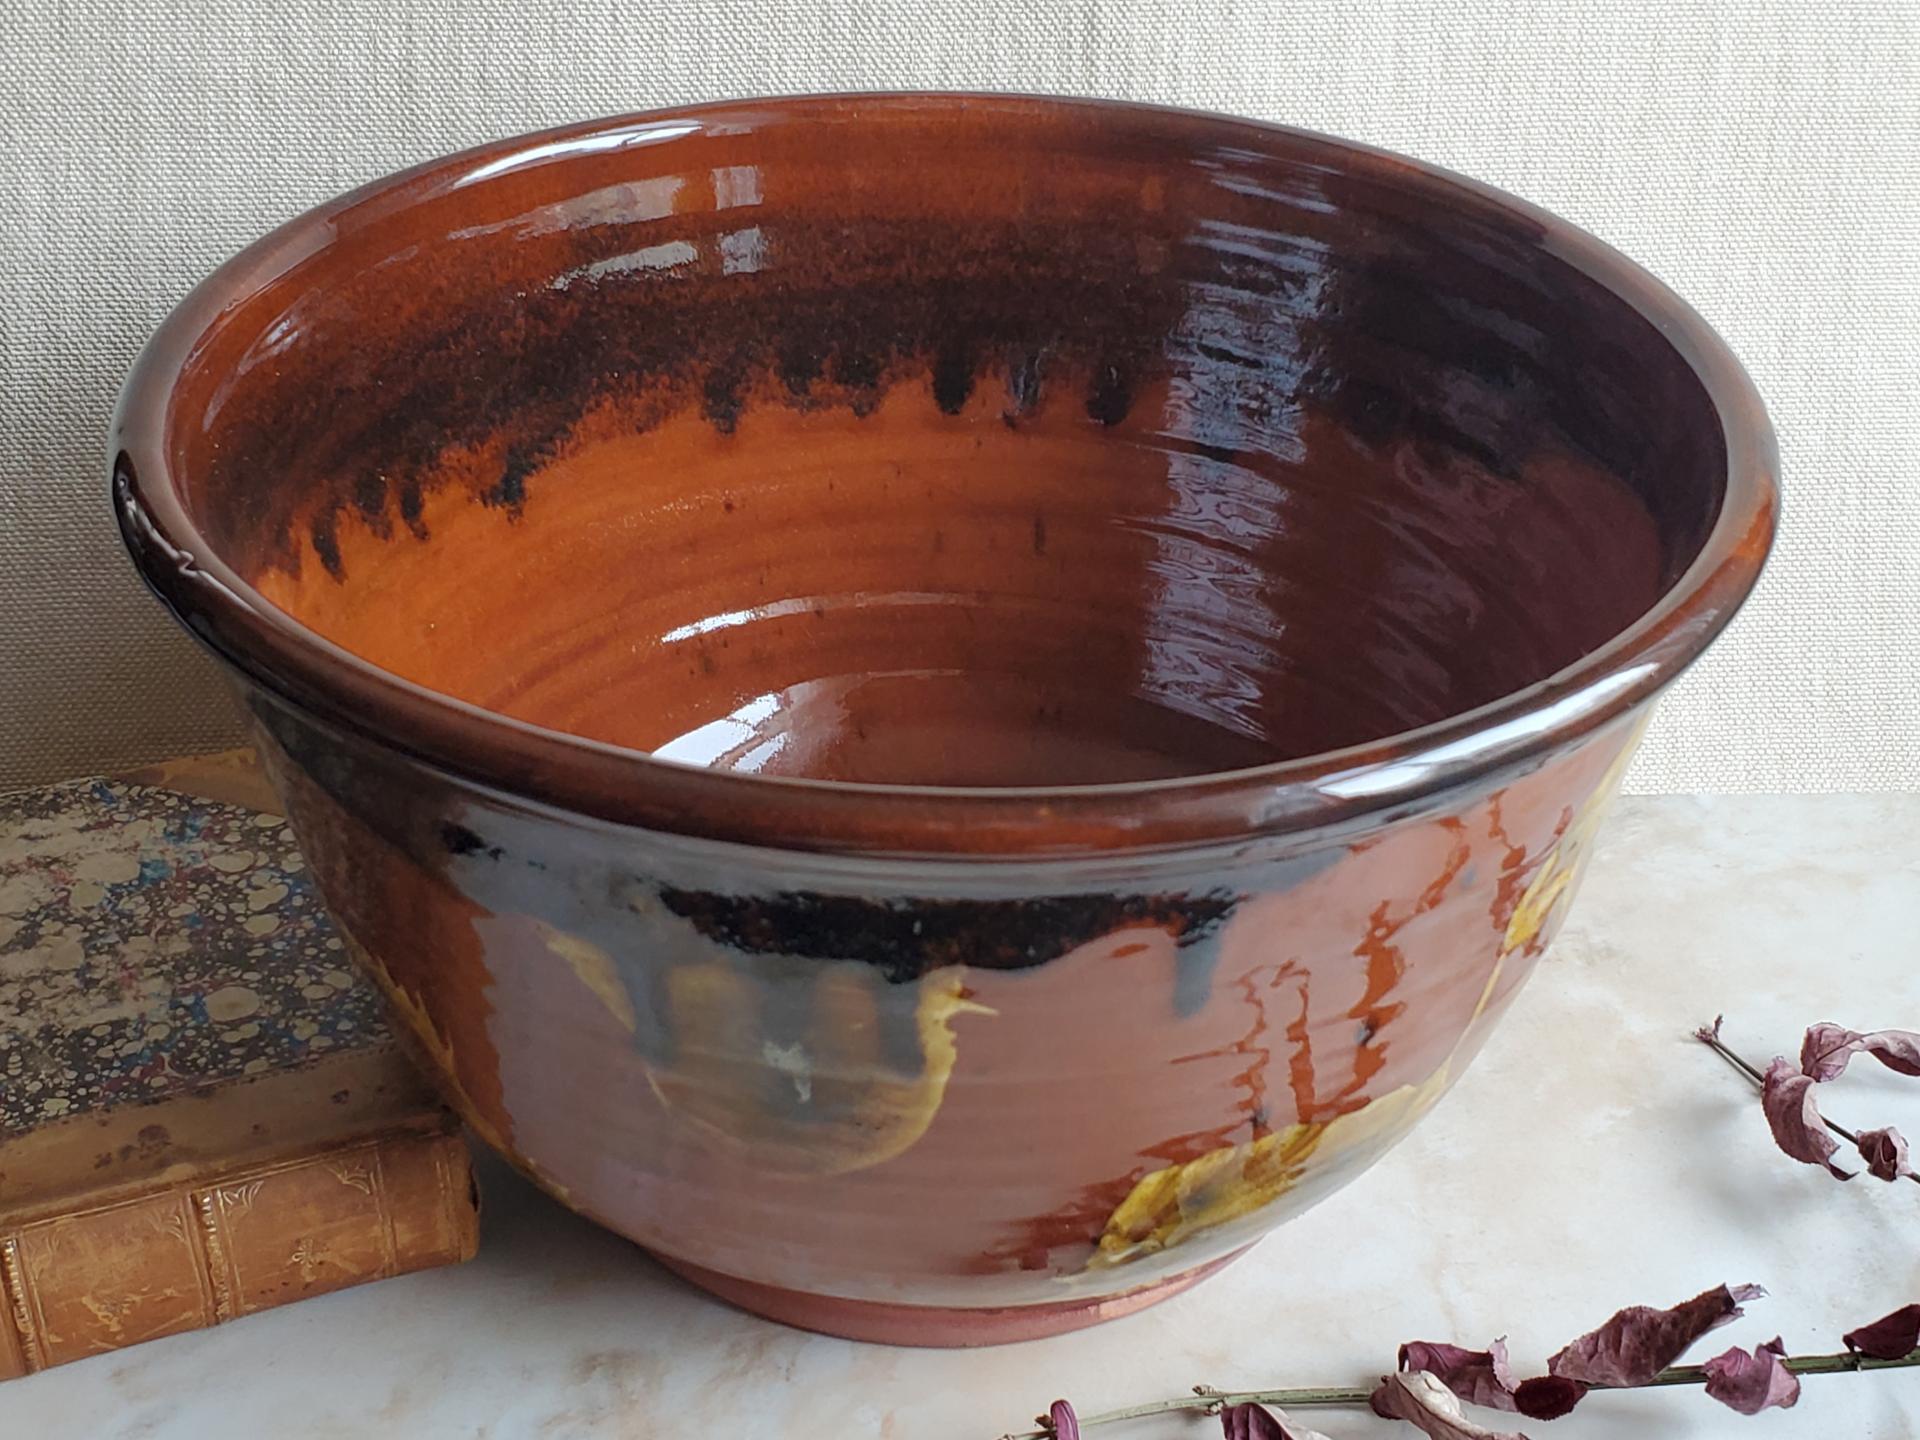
(1593, 1157)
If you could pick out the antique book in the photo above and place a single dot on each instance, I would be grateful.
(202, 1113)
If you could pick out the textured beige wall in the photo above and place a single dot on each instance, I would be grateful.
(1760, 157)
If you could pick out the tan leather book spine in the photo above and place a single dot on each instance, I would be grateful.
(97, 1278)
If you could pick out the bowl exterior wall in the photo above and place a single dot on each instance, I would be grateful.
(944, 1083)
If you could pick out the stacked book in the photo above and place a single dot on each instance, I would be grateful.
(202, 1111)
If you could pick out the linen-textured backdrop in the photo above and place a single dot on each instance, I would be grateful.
(1760, 157)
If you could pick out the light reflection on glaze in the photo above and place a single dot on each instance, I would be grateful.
(798, 605)
(734, 741)
(626, 137)
(743, 252)
(736, 185)
(667, 256)
(631, 202)
(1214, 619)
(1385, 778)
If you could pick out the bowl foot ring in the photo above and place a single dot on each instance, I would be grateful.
(885, 1323)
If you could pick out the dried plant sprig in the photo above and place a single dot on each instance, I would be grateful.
(1786, 1094)
(1207, 1401)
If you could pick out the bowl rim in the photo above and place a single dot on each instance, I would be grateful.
(552, 770)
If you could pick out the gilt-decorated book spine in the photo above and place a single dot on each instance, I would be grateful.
(97, 1278)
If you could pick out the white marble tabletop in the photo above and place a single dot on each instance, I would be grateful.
(1593, 1157)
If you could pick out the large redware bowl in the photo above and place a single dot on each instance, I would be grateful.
(943, 708)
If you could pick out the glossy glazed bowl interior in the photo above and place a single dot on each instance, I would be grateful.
(891, 443)
(939, 476)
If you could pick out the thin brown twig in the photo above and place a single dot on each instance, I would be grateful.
(1709, 1035)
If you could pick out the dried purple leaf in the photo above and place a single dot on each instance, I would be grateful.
(1885, 1152)
(1480, 1377)
(1547, 1397)
(1423, 1402)
(1825, 1050)
(1828, 1047)
(1787, 1098)
(1750, 1382)
(1639, 1342)
(1061, 1420)
(1898, 1050)
(1891, 1337)
(1256, 1422)
(1484, 1377)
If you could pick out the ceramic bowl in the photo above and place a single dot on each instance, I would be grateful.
(943, 708)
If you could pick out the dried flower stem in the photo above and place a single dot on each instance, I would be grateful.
(1709, 1036)
(1209, 1401)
